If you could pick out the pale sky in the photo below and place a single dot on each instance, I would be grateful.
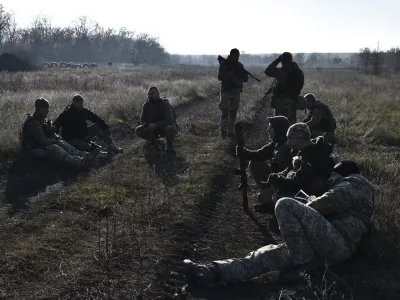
(216, 26)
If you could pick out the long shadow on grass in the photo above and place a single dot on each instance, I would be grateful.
(27, 177)
(166, 166)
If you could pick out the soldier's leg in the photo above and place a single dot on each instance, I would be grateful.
(58, 154)
(144, 133)
(282, 106)
(235, 101)
(307, 234)
(260, 171)
(105, 136)
(71, 149)
(225, 107)
(266, 259)
(170, 132)
(80, 144)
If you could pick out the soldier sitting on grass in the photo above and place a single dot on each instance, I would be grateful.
(329, 227)
(39, 139)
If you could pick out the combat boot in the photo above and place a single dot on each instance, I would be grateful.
(204, 275)
(113, 149)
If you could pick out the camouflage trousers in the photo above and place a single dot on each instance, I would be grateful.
(287, 107)
(260, 172)
(169, 132)
(306, 234)
(229, 105)
(61, 152)
(94, 130)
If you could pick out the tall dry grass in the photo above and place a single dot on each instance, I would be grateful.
(115, 94)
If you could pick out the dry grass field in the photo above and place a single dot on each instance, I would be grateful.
(121, 230)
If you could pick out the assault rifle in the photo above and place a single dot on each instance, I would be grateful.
(243, 178)
(222, 59)
(269, 91)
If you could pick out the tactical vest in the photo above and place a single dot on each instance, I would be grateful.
(327, 124)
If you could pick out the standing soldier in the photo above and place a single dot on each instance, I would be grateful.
(232, 75)
(320, 120)
(289, 83)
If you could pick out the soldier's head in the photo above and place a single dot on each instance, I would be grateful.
(153, 94)
(309, 99)
(77, 102)
(298, 136)
(286, 60)
(234, 54)
(278, 127)
(42, 107)
(343, 169)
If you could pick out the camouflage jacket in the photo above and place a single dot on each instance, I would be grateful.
(313, 173)
(232, 75)
(349, 206)
(36, 133)
(157, 111)
(278, 154)
(320, 118)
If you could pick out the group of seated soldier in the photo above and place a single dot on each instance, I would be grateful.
(68, 140)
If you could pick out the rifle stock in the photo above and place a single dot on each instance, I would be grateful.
(222, 59)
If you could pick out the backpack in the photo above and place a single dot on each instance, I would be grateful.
(332, 121)
(173, 109)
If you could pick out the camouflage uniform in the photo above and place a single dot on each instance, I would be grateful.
(320, 120)
(232, 75)
(161, 112)
(274, 156)
(38, 139)
(287, 89)
(311, 175)
(330, 226)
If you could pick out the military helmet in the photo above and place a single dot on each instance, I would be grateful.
(41, 103)
(299, 131)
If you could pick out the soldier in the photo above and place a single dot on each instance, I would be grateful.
(38, 139)
(274, 157)
(289, 83)
(320, 120)
(330, 227)
(158, 119)
(232, 75)
(74, 129)
(310, 171)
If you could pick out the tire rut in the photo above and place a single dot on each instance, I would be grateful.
(218, 228)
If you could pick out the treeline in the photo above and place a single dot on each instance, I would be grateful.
(376, 61)
(310, 60)
(82, 41)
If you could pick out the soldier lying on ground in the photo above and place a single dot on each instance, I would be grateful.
(310, 172)
(75, 130)
(289, 83)
(329, 227)
(158, 119)
(320, 119)
(39, 139)
(232, 75)
(274, 157)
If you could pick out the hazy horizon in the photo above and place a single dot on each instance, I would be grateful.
(255, 26)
